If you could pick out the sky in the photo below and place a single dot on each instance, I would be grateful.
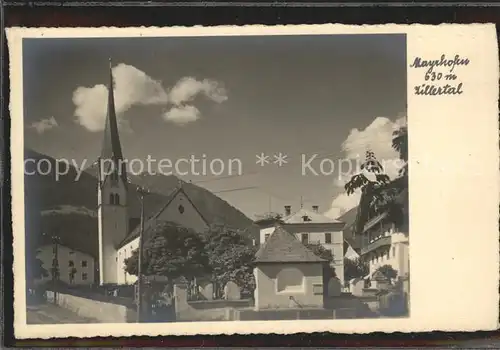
(225, 100)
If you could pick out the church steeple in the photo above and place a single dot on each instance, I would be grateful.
(111, 148)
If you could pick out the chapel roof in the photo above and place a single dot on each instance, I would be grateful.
(282, 246)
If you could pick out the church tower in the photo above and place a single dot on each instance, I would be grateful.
(112, 194)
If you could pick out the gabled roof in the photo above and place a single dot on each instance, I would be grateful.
(152, 221)
(312, 217)
(282, 246)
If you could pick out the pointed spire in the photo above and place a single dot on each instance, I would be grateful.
(111, 94)
(111, 148)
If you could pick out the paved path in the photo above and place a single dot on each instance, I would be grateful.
(52, 314)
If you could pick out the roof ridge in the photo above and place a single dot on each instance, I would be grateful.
(170, 197)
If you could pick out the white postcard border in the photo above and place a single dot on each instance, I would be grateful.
(454, 187)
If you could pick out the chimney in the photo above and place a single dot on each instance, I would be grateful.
(315, 208)
(288, 210)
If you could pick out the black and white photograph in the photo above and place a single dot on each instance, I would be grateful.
(222, 178)
(253, 179)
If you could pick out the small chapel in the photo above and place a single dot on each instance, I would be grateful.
(118, 233)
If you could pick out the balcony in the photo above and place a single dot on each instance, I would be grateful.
(380, 242)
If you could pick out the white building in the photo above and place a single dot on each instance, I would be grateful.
(311, 227)
(117, 239)
(385, 242)
(75, 267)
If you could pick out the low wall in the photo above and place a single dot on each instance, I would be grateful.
(363, 306)
(101, 311)
(204, 310)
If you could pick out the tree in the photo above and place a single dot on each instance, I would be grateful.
(171, 251)
(380, 193)
(400, 144)
(356, 268)
(230, 258)
(372, 198)
(388, 271)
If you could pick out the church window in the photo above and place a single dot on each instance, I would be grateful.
(181, 209)
(114, 199)
(84, 263)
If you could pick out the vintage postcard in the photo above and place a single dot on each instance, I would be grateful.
(255, 179)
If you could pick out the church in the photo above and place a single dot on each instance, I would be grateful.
(118, 237)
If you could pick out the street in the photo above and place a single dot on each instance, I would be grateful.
(52, 314)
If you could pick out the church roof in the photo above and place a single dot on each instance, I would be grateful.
(282, 246)
(151, 222)
(304, 215)
(111, 147)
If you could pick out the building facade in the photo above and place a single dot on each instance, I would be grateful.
(383, 244)
(75, 267)
(311, 227)
(385, 239)
(179, 209)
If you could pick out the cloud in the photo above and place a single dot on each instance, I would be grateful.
(376, 137)
(182, 115)
(188, 88)
(44, 125)
(132, 87)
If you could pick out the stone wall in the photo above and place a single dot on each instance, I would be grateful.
(101, 311)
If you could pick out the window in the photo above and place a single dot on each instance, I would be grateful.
(393, 251)
(181, 209)
(71, 263)
(305, 238)
(114, 199)
(267, 237)
(290, 279)
(328, 238)
(84, 276)
(84, 263)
